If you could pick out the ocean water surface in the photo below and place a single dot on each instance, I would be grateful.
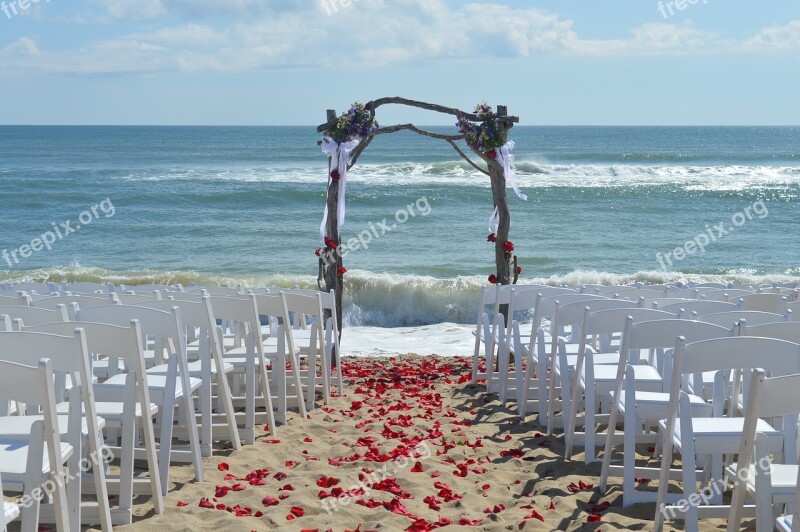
(230, 204)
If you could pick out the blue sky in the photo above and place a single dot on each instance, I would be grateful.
(258, 62)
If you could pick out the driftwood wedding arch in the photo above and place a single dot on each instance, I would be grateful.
(486, 134)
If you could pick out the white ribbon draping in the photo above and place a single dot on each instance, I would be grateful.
(505, 158)
(494, 221)
(339, 160)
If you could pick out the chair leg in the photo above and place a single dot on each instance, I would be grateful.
(589, 428)
(165, 443)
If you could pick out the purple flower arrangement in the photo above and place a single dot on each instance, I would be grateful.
(485, 136)
(356, 123)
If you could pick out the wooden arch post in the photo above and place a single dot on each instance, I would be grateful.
(333, 281)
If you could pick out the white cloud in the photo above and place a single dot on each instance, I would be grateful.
(775, 38)
(239, 35)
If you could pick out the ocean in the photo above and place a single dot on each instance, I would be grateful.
(244, 204)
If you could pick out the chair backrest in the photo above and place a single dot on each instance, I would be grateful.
(18, 299)
(304, 304)
(165, 327)
(150, 288)
(782, 330)
(764, 302)
(103, 339)
(660, 302)
(753, 317)
(739, 352)
(36, 316)
(700, 306)
(614, 320)
(240, 309)
(84, 287)
(33, 288)
(572, 313)
(134, 299)
(682, 293)
(217, 290)
(73, 302)
(664, 333)
(726, 294)
(546, 305)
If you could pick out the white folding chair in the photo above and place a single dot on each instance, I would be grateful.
(134, 413)
(571, 314)
(169, 391)
(644, 409)
(770, 483)
(248, 361)
(716, 436)
(596, 379)
(69, 356)
(309, 308)
(27, 463)
(210, 368)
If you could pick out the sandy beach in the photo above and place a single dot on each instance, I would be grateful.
(410, 446)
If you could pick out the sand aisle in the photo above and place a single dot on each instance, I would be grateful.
(411, 446)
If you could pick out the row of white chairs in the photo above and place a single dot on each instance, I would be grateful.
(595, 359)
(154, 357)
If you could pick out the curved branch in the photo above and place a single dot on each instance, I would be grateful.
(374, 104)
(415, 129)
(397, 100)
(359, 150)
(451, 139)
(464, 156)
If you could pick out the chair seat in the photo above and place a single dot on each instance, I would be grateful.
(602, 359)
(20, 426)
(782, 477)
(110, 411)
(718, 435)
(14, 459)
(11, 511)
(784, 524)
(154, 383)
(195, 369)
(642, 373)
(655, 405)
(299, 335)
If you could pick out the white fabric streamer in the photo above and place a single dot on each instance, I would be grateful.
(494, 221)
(505, 158)
(339, 160)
